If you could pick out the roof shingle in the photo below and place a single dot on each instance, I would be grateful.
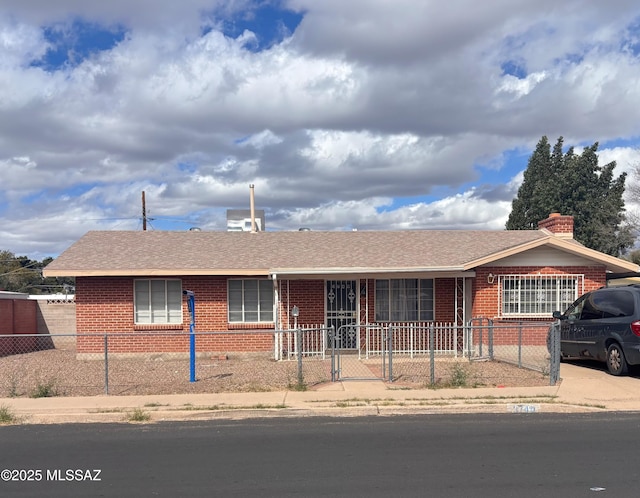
(129, 252)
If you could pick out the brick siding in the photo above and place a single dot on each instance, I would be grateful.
(485, 303)
(558, 224)
(105, 305)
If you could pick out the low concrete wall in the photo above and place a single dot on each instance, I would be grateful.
(55, 315)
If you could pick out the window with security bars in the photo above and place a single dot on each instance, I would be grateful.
(158, 301)
(538, 295)
(250, 301)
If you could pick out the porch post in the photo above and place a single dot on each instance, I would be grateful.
(460, 307)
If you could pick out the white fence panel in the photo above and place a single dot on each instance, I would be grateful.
(414, 338)
(314, 342)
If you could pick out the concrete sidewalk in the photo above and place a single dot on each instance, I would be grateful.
(582, 389)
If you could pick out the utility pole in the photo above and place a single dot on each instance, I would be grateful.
(144, 212)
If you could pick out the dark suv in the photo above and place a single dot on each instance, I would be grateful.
(603, 325)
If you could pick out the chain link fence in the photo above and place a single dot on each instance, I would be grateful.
(484, 353)
(487, 354)
(149, 363)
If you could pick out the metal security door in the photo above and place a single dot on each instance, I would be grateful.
(342, 308)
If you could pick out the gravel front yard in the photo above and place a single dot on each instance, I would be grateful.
(58, 372)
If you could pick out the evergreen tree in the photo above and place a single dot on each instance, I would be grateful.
(21, 274)
(574, 185)
(531, 204)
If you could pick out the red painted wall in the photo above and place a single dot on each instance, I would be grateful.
(18, 316)
(6, 327)
(6, 316)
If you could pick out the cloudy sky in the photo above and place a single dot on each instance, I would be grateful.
(367, 114)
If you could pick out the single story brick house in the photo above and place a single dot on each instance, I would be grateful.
(133, 281)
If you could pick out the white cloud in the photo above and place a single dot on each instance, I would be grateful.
(20, 44)
(367, 103)
(520, 87)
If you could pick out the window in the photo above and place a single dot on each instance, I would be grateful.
(538, 295)
(404, 300)
(575, 310)
(607, 304)
(250, 301)
(158, 301)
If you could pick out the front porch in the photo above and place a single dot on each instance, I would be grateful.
(374, 305)
(374, 340)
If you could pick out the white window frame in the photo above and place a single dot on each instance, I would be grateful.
(394, 295)
(165, 309)
(265, 310)
(537, 296)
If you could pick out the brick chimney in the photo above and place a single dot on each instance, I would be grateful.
(559, 225)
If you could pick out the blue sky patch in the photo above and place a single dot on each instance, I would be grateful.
(270, 23)
(70, 44)
(632, 41)
(189, 168)
(514, 68)
(631, 142)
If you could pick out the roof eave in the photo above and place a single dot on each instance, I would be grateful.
(156, 272)
(568, 245)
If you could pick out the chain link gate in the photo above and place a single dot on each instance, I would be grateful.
(347, 363)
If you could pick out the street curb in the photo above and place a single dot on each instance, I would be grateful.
(238, 413)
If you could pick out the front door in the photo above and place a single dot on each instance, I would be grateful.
(342, 309)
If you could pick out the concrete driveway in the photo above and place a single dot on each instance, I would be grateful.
(588, 383)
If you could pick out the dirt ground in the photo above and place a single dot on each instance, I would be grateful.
(58, 372)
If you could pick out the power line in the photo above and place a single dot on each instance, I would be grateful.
(23, 268)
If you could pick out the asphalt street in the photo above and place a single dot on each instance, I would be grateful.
(480, 455)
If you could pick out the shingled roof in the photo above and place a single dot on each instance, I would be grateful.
(147, 253)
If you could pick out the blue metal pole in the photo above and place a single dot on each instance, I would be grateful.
(191, 301)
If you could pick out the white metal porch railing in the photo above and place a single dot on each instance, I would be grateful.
(314, 342)
(408, 339)
(414, 339)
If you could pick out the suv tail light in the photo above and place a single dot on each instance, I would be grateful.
(635, 327)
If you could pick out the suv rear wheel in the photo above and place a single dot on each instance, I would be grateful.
(616, 362)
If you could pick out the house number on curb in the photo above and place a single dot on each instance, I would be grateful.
(523, 408)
